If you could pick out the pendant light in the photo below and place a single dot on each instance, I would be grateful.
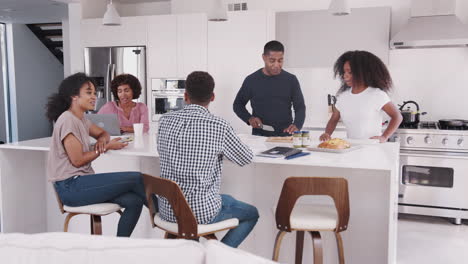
(218, 11)
(339, 8)
(111, 17)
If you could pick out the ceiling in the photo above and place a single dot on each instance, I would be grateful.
(32, 11)
(43, 11)
(139, 1)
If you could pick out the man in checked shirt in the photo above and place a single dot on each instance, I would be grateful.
(191, 144)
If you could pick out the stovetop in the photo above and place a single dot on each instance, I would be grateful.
(432, 125)
(429, 135)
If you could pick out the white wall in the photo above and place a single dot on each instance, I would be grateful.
(36, 74)
(73, 58)
(3, 126)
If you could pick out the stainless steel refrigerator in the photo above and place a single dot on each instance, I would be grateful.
(104, 63)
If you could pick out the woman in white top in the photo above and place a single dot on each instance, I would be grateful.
(362, 97)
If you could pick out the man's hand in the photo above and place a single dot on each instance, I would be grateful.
(325, 137)
(255, 122)
(291, 129)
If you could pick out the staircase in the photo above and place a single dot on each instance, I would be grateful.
(50, 34)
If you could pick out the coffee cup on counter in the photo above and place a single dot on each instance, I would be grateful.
(138, 134)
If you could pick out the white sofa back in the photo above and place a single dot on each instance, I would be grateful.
(69, 248)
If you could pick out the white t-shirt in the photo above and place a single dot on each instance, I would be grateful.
(361, 113)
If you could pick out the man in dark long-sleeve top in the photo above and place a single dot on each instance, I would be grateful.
(272, 92)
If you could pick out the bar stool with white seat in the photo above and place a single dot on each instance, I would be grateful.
(186, 226)
(95, 211)
(312, 218)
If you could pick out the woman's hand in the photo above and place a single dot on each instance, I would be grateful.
(116, 144)
(100, 146)
(127, 129)
(381, 139)
(325, 137)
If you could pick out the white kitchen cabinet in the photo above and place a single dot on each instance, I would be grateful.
(235, 50)
(177, 45)
(191, 43)
(162, 46)
(131, 32)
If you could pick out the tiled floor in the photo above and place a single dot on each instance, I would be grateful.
(431, 240)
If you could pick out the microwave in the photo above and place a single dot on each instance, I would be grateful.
(168, 85)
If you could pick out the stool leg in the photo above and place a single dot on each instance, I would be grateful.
(67, 221)
(96, 226)
(168, 235)
(277, 246)
(339, 243)
(317, 243)
(299, 246)
(211, 236)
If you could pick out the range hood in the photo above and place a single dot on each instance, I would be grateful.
(433, 24)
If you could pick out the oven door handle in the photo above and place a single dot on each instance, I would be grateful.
(429, 154)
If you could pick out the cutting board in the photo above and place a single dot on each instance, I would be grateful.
(280, 139)
(315, 149)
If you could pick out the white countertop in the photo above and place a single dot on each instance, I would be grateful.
(369, 156)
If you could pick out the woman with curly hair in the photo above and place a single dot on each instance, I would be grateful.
(365, 82)
(70, 156)
(125, 88)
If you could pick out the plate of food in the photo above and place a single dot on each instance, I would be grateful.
(335, 145)
(280, 139)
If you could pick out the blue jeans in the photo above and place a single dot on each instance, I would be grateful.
(247, 215)
(123, 188)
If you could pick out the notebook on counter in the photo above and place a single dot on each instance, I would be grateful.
(279, 152)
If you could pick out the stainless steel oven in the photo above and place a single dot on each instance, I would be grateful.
(165, 102)
(433, 171)
(434, 183)
(167, 95)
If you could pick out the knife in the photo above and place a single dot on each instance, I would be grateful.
(267, 128)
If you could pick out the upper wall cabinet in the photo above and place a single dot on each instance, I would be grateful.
(317, 39)
(235, 51)
(131, 32)
(192, 30)
(162, 46)
(177, 45)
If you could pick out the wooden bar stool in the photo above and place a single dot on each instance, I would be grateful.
(186, 226)
(312, 218)
(95, 211)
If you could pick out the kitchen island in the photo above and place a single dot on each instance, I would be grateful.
(28, 202)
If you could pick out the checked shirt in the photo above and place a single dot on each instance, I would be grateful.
(191, 144)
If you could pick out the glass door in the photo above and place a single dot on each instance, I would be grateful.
(168, 103)
(427, 176)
